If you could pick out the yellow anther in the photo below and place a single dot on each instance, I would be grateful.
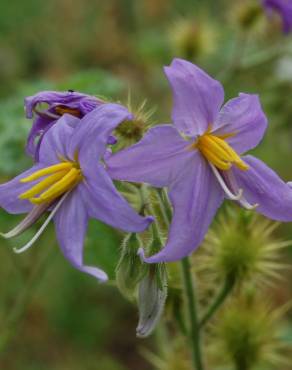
(216, 150)
(60, 187)
(48, 171)
(218, 162)
(62, 109)
(43, 185)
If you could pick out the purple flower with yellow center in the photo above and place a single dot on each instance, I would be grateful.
(199, 159)
(71, 182)
(57, 104)
(283, 8)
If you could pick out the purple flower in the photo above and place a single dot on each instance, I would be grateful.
(71, 182)
(204, 166)
(57, 104)
(284, 9)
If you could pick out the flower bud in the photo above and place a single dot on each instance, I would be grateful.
(130, 269)
(151, 299)
(131, 131)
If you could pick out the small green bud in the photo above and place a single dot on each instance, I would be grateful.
(151, 299)
(130, 269)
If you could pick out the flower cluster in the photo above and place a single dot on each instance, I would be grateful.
(199, 158)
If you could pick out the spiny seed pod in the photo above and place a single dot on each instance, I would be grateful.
(130, 269)
(129, 132)
(247, 334)
(241, 247)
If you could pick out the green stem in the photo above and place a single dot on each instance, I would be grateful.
(166, 213)
(193, 316)
(218, 301)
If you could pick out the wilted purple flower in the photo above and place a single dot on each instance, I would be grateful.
(284, 9)
(71, 182)
(57, 104)
(203, 169)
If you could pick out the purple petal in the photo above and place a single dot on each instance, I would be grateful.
(104, 203)
(91, 136)
(197, 97)
(263, 186)
(71, 225)
(244, 117)
(85, 103)
(284, 9)
(10, 191)
(195, 196)
(157, 159)
(40, 125)
(56, 140)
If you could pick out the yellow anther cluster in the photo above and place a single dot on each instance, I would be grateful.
(57, 180)
(62, 109)
(217, 151)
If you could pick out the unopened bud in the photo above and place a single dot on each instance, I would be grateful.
(151, 299)
(130, 269)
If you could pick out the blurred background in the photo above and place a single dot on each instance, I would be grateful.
(52, 316)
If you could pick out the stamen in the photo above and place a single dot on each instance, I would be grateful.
(43, 227)
(47, 171)
(29, 220)
(44, 184)
(62, 109)
(242, 201)
(219, 152)
(223, 185)
(247, 205)
(213, 158)
(59, 187)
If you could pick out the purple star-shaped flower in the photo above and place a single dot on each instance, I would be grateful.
(71, 182)
(284, 9)
(204, 166)
(57, 104)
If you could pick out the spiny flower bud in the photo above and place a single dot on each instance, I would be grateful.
(130, 269)
(151, 299)
(190, 39)
(131, 131)
(247, 332)
(241, 247)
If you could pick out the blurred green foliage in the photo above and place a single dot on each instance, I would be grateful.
(110, 48)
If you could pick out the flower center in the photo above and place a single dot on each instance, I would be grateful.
(56, 180)
(218, 152)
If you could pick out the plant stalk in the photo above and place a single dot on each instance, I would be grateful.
(217, 303)
(193, 315)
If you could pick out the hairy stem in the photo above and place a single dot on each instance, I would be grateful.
(193, 315)
(218, 301)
